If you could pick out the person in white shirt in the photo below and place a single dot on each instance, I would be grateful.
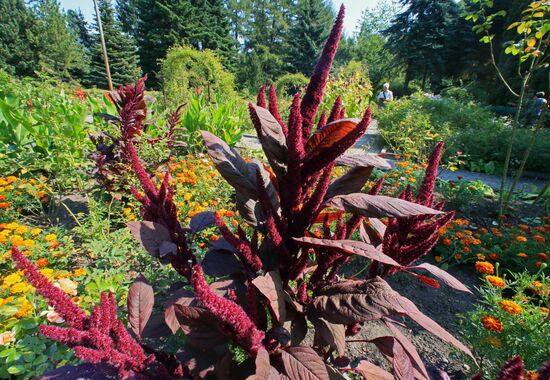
(385, 95)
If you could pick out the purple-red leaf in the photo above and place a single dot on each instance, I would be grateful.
(271, 287)
(372, 231)
(410, 349)
(396, 354)
(303, 363)
(264, 370)
(140, 304)
(370, 371)
(84, 371)
(219, 263)
(201, 221)
(351, 182)
(329, 136)
(379, 206)
(199, 326)
(443, 276)
(350, 247)
(329, 334)
(272, 139)
(363, 160)
(150, 235)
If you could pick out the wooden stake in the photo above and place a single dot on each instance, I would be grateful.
(102, 39)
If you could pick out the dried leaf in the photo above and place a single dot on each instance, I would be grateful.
(350, 247)
(303, 363)
(273, 140)
(379, 206)
(150, 235)
(363, 160)
(351, 182)
(219, 263)
(271, 286)
(140, 304)
(370, 371)
(448, 279)
(201, 221)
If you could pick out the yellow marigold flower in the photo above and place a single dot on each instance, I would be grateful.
(79, 272)
(510, 307)
(25, 308)
(495, 281)
(521, 239)
(16, 239)
(480, 257)
(11, 279)
(48, 272)
(50, 238)
(537, 284)
(491, 323)
(7, 337)
(412, 180)
(21, 230)
(126, 211)
(485, 267)
(36, 231)
(4, 301)
(187, 196)
(544, 310)
(494, 341)
(20, 287)
(438, 259)
(29, 243)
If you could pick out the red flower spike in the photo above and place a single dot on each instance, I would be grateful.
(235, 320)
(260, 102)
(255, 120)
(342, 113)
(61, 302)
(513, 369)
(322, 120)
(296, 154)
(144, 179)
(274, 109)
(426, 192)
(335, 111)
(544, 371)
(318, 81)
(377, 187)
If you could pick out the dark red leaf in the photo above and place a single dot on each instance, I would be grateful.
(422, 372)
(199, 326)
(370, 371)
(447, 279)
(378, 206)
(329, 334)
(140, 304)
(350, 247)
(351, 182)
(395, 353)
(150, 235)
(219, 263)
(201, 221)
(372, 231)
(271, 286)
(264, 370)
(329, 136)
(303, 363)
(85, 371)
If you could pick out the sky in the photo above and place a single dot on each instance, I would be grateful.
(353, 10)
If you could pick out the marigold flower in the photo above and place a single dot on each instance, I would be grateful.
(20, 287)
(523, 226)
(7, 337)
(495, 281)
(521, 239)
(494, 256)
(25, 308)
(485, 267)
(543, 256)
(12, 279)
(491, 323)
(458, 256)
(523, 255)
(531, 375)
(79, 272)
(68, 286)
(510, 307)
(446, 242)
(4, 205)
(544, 310)
(438, 259)
(539, 239)
(50, 238)
(480, 257)
(494, 341)
(538, 264)
(467, 249)
(42, 262)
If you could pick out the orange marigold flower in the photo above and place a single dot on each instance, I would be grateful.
(493, 256)
(438, 259)
(523, 226)
(496, 281)
(42, 262)
(458, 256)
(544, 310)
(510, 307)
(538, 264)
(491, 323)
(531, 375)
(4, 205)
(446, 242)
(485, 267)
(537, 284)
(539, 239)
(543, 256)
(522, 239)
(467, 249)
(523, 255)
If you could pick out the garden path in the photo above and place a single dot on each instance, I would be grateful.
(373, 143)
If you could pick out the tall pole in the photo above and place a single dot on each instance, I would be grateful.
(102, 39)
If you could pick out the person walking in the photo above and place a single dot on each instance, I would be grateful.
(385, 96)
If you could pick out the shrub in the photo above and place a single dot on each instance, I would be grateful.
(186, 70)
(289, 84)
(276, 276)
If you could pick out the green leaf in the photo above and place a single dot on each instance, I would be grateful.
(16, 369)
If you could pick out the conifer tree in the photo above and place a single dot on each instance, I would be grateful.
(17, 54)
(121, 50)
(78, 24)
(308, 33)
(127, 14)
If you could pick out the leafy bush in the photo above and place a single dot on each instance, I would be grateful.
(413, 124)
(512, 320)
(276, 276)
(289, 84)
(186, 71)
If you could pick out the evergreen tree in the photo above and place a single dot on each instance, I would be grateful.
(419, 38)
(121, 50)
(308, 33)
(17, 54)
(59, 52)
(127, 14)
(78, 24)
